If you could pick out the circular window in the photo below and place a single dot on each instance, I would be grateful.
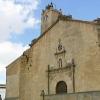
(59, 47)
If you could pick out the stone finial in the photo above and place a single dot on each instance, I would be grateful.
(33, 42)
(60, 10)
(49, 6)
(42, 93)
(97, 20)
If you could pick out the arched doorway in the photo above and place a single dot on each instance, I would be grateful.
(61, 87)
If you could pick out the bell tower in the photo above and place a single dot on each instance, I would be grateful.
(49, 17)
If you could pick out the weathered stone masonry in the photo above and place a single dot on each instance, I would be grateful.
(62, 63)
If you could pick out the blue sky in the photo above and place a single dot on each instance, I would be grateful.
(20, 23)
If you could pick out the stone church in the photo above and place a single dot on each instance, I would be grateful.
(63, 63)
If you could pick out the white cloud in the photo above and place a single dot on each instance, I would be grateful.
(10, 51)
(16, 16)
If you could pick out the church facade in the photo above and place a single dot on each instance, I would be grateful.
(62, 63)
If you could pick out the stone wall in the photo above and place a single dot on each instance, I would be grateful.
(74, 96)
(13, 76)
(79, 40)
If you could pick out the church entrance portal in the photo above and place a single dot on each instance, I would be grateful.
(61, 87)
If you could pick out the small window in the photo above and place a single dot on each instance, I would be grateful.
(45, 17)
(60, 63)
